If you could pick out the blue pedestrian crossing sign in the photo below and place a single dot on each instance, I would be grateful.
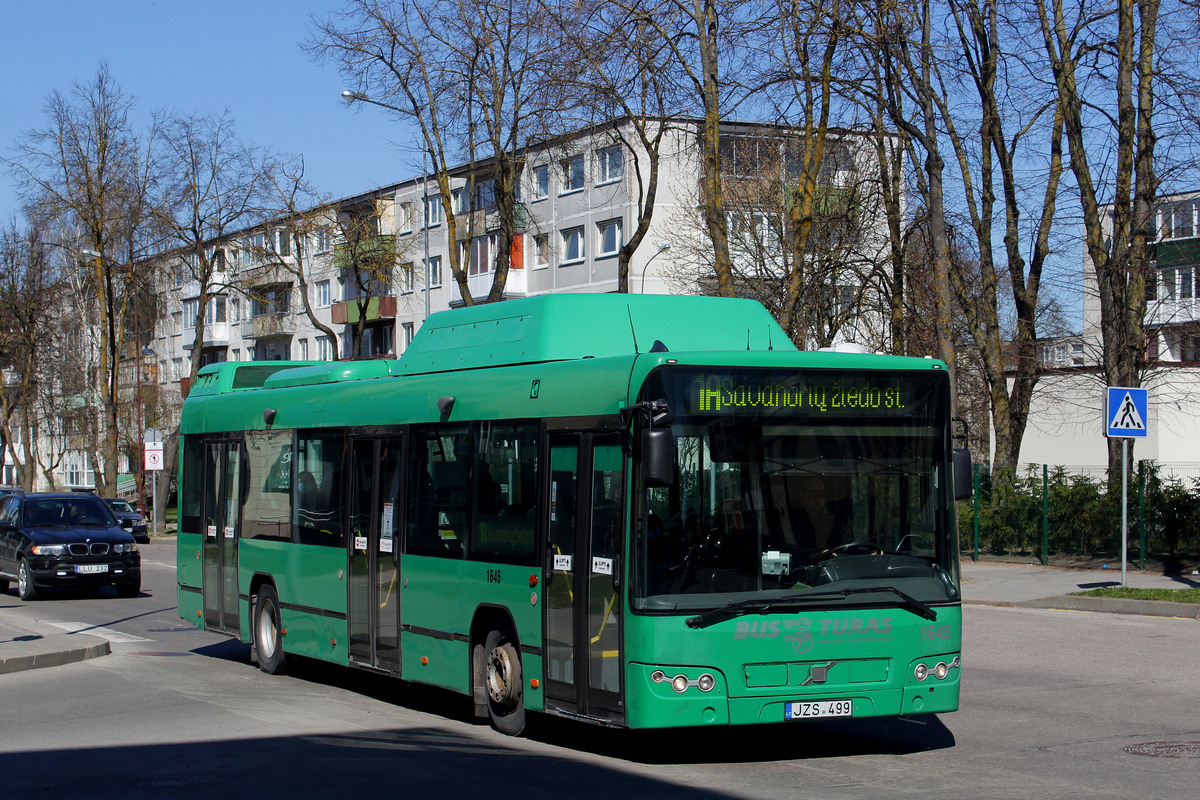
(1127, 412)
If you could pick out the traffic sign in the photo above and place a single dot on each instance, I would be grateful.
(1127, 412)
(154, 456)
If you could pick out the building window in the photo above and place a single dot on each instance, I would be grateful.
(457, 201)
(1167, 280)
(609, 237)
(485, 195)
(611, 164)
(323, 296)
(409, 329)
(407, 278)
(434, 272)
(541, 182)
(406, 217)
(322, 236)
(572, 174)
(541, 250)
(433, 211)
(177, 323)
(303, 348)
(235, 354)
(274, 299)
(1077, 355)
(572, 246)
(191, 311)
(215, 313)
(1185, 283)
(324, 348)
(481, 255)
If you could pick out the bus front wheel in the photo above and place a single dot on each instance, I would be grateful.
(268, 631)
(502, 671)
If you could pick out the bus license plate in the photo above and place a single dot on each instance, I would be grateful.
(90, 569)
(819, 708)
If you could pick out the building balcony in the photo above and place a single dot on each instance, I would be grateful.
(365, 253)
(216, 334)
(480, 285)
(281, 324)
(346, 312)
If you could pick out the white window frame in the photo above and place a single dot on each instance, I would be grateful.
(572, 167)
(569, 237)
(433, 210)
(433, 271)
(540, 183)
(610, 165)
(324, 294)
(602, 229)
(540, 252)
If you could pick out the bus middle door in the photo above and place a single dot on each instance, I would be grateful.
(581, 598)
(222, 520)
(374, 542)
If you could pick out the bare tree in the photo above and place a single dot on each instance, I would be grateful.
(218, 185)
(472, 78)
(1085, 45)
(27, 288)
(90, 170)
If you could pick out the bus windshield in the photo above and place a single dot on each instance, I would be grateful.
(832, 483)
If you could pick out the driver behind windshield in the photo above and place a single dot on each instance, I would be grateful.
(813, 526)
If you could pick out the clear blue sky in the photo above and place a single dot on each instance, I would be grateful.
(202, 56)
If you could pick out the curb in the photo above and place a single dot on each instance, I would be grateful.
(1112, 605)
(34, 652)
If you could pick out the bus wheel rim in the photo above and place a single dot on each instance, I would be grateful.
(499, 675)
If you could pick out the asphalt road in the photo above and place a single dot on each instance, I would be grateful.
(1052, 700)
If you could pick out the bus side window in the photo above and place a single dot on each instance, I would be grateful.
(504, 513)
(439, 470)
(318, 492)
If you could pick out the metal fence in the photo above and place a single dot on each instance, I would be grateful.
(1068, 512)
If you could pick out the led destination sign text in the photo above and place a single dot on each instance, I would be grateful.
(722, 394)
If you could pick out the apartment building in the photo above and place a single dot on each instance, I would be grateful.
(1067, 417)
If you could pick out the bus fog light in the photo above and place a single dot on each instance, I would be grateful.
(706, 682)
(658, 676)
(680, 683)
(941, 671)
(921, 672)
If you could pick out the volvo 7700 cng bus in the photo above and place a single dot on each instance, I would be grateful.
(636, 511)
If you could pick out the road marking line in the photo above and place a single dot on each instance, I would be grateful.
(104, 633)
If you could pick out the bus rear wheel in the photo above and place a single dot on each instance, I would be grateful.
(505, 684)
(268, 631)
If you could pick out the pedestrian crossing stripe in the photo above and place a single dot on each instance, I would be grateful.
(1126, 416)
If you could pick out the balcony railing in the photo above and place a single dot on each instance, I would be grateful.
(365, 253)
(346, 312)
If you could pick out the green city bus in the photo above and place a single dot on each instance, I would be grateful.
(635, 511)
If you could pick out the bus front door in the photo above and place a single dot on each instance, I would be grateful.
(222, 519)
(374, 601)
(582, 576)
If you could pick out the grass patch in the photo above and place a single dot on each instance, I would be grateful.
(1130, 593)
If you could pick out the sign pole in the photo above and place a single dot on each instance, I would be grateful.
(1124, 508)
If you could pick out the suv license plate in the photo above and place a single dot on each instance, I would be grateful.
(90, 569)
(819, 708)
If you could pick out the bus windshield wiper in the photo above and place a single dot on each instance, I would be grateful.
(763, 605)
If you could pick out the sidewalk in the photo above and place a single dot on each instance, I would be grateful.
(1033, 586)
(22, 648)
(984, 583)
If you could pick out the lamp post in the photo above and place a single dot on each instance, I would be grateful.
(362, 97)
(662, 248)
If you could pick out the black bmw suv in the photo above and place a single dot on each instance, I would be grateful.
(65, 540)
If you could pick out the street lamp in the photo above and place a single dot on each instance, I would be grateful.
(662, 248)
(362, 97)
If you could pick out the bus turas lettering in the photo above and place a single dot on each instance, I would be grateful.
(857, 627)
(720, 394)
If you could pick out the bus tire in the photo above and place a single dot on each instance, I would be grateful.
(504, 682)
(268, 631)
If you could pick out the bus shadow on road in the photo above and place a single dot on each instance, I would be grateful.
(751, 744)
(759, 743)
